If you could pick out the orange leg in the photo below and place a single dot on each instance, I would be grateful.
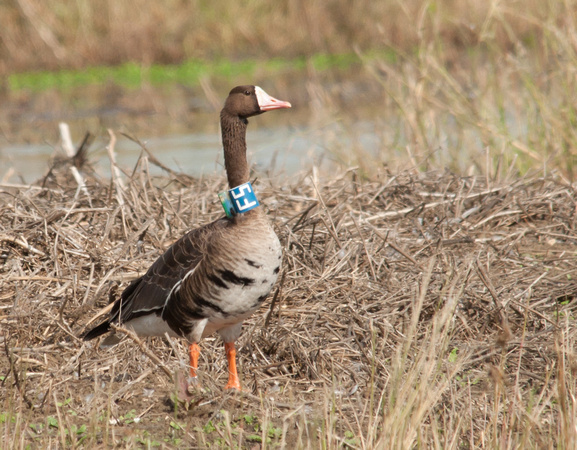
(233, 381)
(194, 353)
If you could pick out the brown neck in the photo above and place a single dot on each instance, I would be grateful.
(233, 130)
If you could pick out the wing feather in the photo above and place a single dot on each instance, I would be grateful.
(149, 292)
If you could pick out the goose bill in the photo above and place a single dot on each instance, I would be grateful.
(267, 103)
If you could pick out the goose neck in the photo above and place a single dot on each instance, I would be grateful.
(233, 130)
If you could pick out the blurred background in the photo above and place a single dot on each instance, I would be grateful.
(462, 85)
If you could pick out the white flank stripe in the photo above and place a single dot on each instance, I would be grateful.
(176, 287)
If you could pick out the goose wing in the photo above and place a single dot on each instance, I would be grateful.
(149, 293)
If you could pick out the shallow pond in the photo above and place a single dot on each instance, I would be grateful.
(283, 149)
(180, 128)
(338, 119)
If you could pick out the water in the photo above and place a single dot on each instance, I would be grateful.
(180, 127)
(181, 130)
(194, 154)
(280, 150)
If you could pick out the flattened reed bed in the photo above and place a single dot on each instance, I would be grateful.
(416, 307)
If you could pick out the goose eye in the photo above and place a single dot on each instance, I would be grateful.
(247, 92)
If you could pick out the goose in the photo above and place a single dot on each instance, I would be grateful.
(215, 276)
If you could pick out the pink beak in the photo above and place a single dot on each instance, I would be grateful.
(268, 103)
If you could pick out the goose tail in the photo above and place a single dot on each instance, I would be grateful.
(99, 330)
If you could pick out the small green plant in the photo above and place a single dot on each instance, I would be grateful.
(52, 422)
(351, 439)
(249, 419)
(176, 426)
(453, 355)
(129, 417)
(37, 427)
(5, 416)
(65, 402)
(254, 438)
(209, 427)
(274, 432)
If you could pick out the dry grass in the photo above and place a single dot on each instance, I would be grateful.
(55, 34)
(416, 310)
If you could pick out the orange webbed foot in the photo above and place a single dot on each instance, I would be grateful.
(233, 380)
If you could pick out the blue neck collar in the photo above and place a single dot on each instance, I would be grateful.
(238, 200)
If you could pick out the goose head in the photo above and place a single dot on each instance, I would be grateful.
(248, 101)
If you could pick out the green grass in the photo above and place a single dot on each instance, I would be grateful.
(189, 73)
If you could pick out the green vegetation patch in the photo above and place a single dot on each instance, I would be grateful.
(189, 73)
